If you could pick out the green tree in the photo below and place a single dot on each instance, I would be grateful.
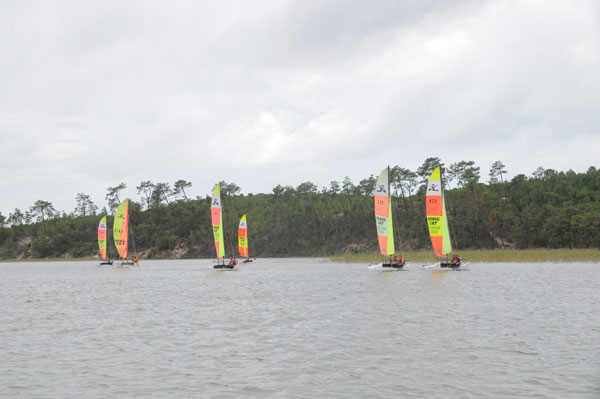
(16, 218)
(424, 171)
(146, 188)
(229, 188)
(42, 209)
(465, 172)
(496, 171)
(334, 187)
(85, 206)
(367, 186)
(539, 173)
(348, 187)
(161, 191)
(180, 186)
(112, 196)
(306, 188)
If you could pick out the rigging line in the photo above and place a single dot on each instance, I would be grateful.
(132, 240)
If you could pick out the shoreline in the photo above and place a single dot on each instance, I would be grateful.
(485, 256)
(424, 256)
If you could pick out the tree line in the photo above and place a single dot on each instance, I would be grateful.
(548, 209)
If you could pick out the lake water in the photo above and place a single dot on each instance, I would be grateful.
(298, 328)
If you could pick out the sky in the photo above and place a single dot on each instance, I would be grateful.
(261, 93)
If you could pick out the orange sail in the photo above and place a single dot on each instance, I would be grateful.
(383, 215)
(121, 229)
(436, 215)
(243, 237)
(217, 221)
(102, 237)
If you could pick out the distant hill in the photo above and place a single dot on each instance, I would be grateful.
(550, 210)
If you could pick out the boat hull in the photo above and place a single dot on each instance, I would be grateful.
(393, 265)
(223, 266)
(449, 265)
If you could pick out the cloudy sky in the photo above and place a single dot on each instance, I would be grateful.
(95, 93)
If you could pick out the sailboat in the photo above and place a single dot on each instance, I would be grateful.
(438, 221)
(217, 226)
(121, 233)
(243, 240)
(102, 241)
(383, 221)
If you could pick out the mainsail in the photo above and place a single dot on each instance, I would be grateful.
(243, 237)
(121, 228)
(436, 215)
(217, 221)
(102, 237)
(383, 214)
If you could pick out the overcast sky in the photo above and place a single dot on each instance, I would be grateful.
(260, 93)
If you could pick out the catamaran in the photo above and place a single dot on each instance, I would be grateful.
(121, 233)
(384, 222)
(217, 225)
(243, 240)
(102, 241)
(438, 222)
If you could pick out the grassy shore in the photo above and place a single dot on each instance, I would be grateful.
(488, 255)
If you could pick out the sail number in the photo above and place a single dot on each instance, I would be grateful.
(433, 200)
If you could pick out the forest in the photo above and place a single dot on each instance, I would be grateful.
(548, 209)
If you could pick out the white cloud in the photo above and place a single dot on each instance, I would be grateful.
(280, 93)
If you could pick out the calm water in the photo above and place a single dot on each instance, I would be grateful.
(299, 328)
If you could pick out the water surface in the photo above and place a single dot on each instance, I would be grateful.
(298, 328)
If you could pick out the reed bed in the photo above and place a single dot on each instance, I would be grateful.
(487, 255)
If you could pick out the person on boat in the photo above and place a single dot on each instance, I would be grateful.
(395, 261)
(455, 260)
(232, 261)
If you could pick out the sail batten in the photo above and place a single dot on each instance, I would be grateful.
(383, 214)
(121, 229)
(243, 237)
(436, 215)
(102, 237)
(217, 221)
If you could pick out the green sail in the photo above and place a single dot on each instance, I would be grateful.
(447, 245)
